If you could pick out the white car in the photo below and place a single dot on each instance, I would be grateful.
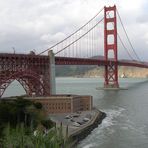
(86, 119)
(68, 117)
(76, 124)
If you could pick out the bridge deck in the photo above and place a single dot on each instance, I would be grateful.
(43, 59)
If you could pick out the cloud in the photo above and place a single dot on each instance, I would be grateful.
(38, 24)
(53, 38)
(143, 15)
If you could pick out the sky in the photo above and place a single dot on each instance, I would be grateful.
(37, 24)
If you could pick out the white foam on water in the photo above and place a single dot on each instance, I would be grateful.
(111, 115)
(90, 146)
(99, 133)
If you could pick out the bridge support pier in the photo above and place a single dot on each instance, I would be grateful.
(110, 45)
(52, 72)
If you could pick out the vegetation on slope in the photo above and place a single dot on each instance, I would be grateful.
(23, 124)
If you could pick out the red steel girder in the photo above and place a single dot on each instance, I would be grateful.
(30, 70)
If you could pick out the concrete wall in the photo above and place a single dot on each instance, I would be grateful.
(52, 72)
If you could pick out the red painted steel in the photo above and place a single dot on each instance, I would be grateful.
(111, 69)
(31, 71)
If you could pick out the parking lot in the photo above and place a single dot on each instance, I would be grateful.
(73, 120)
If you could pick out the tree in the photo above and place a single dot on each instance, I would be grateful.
(38, 105)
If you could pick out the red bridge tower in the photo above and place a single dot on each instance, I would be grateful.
(111, 68)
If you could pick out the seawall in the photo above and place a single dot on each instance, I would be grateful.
(82, 133)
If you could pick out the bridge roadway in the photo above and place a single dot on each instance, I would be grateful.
(99, 62)
(44, 60)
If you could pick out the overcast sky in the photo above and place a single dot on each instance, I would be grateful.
(35, 24)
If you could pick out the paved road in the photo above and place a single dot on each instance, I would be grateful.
(58, 118)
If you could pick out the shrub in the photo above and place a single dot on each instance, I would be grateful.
(38, 105)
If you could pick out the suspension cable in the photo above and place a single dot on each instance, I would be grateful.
(80, 36)
(123, 43)
(72, 33)
(124, 47)
(128, 37)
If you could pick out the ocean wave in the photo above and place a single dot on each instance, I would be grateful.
(99, 134)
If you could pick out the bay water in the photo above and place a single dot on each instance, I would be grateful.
(126, 124)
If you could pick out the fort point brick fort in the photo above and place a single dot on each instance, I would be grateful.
(64, 103)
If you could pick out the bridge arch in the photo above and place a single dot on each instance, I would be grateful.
(30, 81)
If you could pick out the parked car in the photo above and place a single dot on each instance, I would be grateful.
(86, 119)
(75, 115)
(76, 124)
(68, 117)
(81, 122)
(72, 120)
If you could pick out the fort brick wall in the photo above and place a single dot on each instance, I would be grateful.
(64, 103)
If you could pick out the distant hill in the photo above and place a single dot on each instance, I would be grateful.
(95, 71)
(74, 70)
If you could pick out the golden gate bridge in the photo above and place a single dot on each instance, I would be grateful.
(35, 72)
